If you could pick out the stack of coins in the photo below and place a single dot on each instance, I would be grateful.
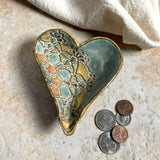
(109, 141)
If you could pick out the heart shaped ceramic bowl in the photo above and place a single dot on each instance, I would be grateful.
(75, 73)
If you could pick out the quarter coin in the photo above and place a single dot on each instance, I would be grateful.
(123, 120)
(124, 107)
(105, 120)
(119, 134)
(107, 144)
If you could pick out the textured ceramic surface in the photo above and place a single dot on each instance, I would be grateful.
(75, 73)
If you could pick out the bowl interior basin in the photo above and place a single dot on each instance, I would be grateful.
(75, 73)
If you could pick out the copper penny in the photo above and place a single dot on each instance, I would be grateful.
(124, 107)
(119, 134)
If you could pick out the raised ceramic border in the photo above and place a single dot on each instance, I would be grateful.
(107, 84)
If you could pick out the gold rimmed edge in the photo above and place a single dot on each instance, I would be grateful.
(99, 92)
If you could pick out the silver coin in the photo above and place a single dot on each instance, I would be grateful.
(123, 120)
(107, 144)
(105, 120)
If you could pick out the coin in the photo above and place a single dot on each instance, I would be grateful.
(119, 134)
(105, 120)
(124, 107)
(107, 144)
(123, 120)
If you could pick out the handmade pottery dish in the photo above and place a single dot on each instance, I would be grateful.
(75, 73)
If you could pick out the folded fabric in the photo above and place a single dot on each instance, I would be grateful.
(137, 21)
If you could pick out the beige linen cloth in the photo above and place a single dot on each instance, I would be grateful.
(137, 21)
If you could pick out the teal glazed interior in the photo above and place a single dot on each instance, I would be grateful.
(104, 62)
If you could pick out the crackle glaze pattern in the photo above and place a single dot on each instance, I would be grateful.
(75, 73)
(29, 127)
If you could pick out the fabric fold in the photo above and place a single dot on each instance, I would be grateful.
(137, 21)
